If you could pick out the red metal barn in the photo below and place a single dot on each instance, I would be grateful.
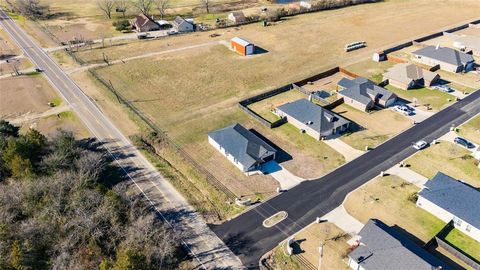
(242, 46)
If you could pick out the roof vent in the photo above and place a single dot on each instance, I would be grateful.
(437, 47)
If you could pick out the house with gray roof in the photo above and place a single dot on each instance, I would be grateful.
(363, 94)
(242, 147)
(452, 200)
(446, 58)
(407, 76)
(385, 248)
(312, 119)
(181, 25)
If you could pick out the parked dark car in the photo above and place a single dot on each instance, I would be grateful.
(463, 142)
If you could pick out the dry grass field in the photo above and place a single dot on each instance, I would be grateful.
(471, 130)
(50, 126)
(375, 127)
(448, 158)
(26, 94)
(192, 92)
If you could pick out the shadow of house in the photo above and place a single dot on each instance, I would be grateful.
(282, 155)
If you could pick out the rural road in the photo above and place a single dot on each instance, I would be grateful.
(208, 250)
(245, 234)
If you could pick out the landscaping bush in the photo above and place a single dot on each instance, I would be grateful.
(122, 25)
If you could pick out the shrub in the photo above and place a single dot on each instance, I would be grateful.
(122, 25)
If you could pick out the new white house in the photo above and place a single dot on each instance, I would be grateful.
(452, 200)
(242, 147)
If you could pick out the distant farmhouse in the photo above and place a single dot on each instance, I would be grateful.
(236, 17)
(382, 247)
(181, 25)
(451, 200)
(363, 94)
(142, 23)
(242, 147)
(448, 59)
(316, 121)
(407, 76)
(468, 43)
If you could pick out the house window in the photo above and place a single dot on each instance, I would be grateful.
(469, 228)
(457, 221)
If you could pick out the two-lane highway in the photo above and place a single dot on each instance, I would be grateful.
(245, 234)
(202, 243)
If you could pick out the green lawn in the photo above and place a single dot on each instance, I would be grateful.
(437, 99)
(449, 159)
(307, 144)
(471, 130)
(464, 243)
(389, 199)
(370, 69)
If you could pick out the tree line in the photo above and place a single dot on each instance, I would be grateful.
(63, 205)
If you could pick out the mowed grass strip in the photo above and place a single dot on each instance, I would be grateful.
(464, 243)
(448, 158)
(390, 199)
(471, 130)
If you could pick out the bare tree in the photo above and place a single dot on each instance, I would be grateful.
(106, 6)
(144, 6)
(162, 6)
(32, 8)
(206, 5)
(122, 6)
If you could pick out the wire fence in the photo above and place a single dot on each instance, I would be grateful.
(187, 157)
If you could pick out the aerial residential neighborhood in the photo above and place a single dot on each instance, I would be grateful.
(272, 135)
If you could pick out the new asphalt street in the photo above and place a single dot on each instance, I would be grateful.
(249, 240)
(200, 241)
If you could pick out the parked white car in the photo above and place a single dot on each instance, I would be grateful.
(402, 109)
(420, 145)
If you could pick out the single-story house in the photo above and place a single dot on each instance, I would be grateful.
(407, 76)
(316, 121)
(242, 46)
(181, 25)
(363, 94)
(382, 247)
(242, 147)
(236, 17)
(452, 200)
(143, 23)
(468, 43)
(448, 59)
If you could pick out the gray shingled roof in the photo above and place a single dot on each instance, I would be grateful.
(385, 248)
(405, 73)
(242, 144)
(361, 90)
(306, 111)
(445, 54)
(455, 197)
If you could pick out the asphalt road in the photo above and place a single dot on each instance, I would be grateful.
(210, 252)
(245, 234)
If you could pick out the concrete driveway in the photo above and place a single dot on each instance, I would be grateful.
(408, 175)
(450, 136)
(340, 217)
(343, 148)
(285, 178)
